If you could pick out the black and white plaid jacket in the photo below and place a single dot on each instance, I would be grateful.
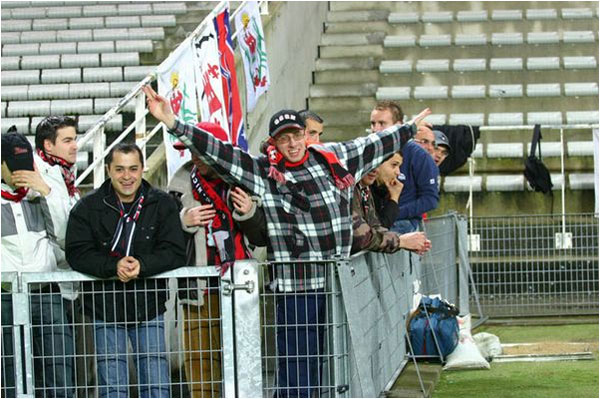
(308, 217)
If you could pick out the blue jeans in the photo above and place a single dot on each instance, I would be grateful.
(150, 357)
(402, 226)
(300, 331)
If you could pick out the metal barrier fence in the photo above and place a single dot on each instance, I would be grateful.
(235, 335)
(533, 266)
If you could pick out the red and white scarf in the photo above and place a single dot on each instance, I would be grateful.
(15, 196)
(67, 169)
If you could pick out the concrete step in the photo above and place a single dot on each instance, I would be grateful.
(351, 39)
(351, 117)
(353, 27)
(407, 385)
(329, 64)
(351, 76)
(347, 90)
(369, 50)
(357, 16)
(320, 104)
(361, 5)
(336, 133)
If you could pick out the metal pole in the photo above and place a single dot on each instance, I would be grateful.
(562, 190)
(99, 144)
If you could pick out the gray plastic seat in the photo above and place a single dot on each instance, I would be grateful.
(50, 24)
(137, 73)
(48, 92)
(110, 34)
(579, 36)
(146, 33)
(12, 37)
(158, 21)
(22, 124)
(169, 8)
(76, 35)
(435, 119)
(102, 105)
(506, 64)
(475, 39)
(549, 148)
(28, 108)
(10, 63)
(119, 89)
(100, 10)
(505, 150)
(435, 40)
(123, 22)
(584, 62)
(395, 66)
(437, 16)
(20, 49)
(577, 13)
(580, 89)
(536, 14)
(50, 61)
(403, 17)
(134, 9)
(103, 74)
(582, 117)
(393, 93)
(472, 16)
(86, 23)
(82, 160)
(72, 107)
(64, 75)
(95, 47)
(581, 181)
(474, 119)
(44, 36)
(543, 63)
(16, 25)
(461, 184)
(430, 92)
(469, 64)
(580, 148)
(80, 60)
(119, 59)
(89, 90)
(505, 119)
(543, 38)
(544, 118)
(510, 38)
(507, 15)
(468, 91)
(505, 182)
(130, 46)
(543, 90)
(23, 77)
(14, 93)
(400, 41)
(64, 12)
(501, 91)
(113, 125)
(433, 65)
(58, 48)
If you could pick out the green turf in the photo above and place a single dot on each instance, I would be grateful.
(567, 379)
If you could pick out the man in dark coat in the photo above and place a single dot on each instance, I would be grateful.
(127, 229)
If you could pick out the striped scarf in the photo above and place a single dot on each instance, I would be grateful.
(122, 240)
(67, 169)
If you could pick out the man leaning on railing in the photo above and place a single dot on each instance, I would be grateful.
(306, 191)
(128, 230)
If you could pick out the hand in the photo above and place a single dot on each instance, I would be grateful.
(394, 187)
(416, 242)
(199, 216)
(422, 115)
(242, 202)
(30, 179)
(159, 107)
(128, 268)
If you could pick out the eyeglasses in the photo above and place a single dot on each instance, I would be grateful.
(286, 138)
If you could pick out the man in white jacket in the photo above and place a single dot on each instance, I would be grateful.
(27, 247)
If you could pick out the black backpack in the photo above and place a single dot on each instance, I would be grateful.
(536, 172)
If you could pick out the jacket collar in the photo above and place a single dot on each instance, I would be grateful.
(109, 197)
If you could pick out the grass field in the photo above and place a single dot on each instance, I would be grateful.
(566, 379)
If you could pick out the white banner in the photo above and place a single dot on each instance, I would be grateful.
(251, 40)
(176, 82)
(208, 76)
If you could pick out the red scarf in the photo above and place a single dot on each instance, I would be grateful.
(343, 179)
(67, 169)
(17, 196)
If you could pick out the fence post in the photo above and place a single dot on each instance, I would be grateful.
(99, 145)
(340, 344)
(22, 322)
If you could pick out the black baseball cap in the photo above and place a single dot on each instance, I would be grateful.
(285, 119)
(17, 152)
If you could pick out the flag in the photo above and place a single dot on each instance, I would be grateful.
(208, 78)
(176, 82)
(231, 95)
(254, 52)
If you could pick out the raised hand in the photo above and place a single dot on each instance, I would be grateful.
(30, 179)
(159, 107)
(422, 115)
(242, 202)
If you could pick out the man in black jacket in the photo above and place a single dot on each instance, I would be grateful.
(128, 230)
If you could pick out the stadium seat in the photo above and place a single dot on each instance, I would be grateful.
(536, 14)
(147, 33)
(89, 90)
(74, 35)
(119, 89)
(58, 48)
(64, 12)
(468, 91)
(20, 49)
(549, 148)
(584, 62)
(403, 17)
(505, 183)
(129, 46)
(469, 64)
(44, 36)
(79, 60)
(102, 10)
(12, 37)
(71, 107)
(48, 92)
(134, 9)
(102, 105)
(50, 24)
(433, 65)
(20, 77)
(457, 184)
(159, 21)
(577, 13)
(543, 90)
(430, 92)
(505, 150)
(137, 73)
(505, 119)
(110, 34)
(392, 66)
(435, 119)
(475, 119)
(95, 47)
(392, 93)
(581, 89)
(478, 152)
(86, 23)
(82, 160)
(581, 36)
(543, 38)
(475, 39)
(507, 15)
(543, 63)
(434, 40)
(123, 22)
(581, 181)
(103, 74)
(169, 8)
(506, 64)
(40, 61)
(500, 91)
(400, 41)
(580, 148)
(22, 124)
(88, 121)
(472, 16)
(544, 118)
(436, 16)
(10, 63)
(119, 59)
(28, 108)
(502, 39)
(64, 75)
(14, 93)
(16, 25)
(582, 117)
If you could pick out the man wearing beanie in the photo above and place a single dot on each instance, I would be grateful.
(306, 193)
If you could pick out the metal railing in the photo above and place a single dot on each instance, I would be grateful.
(521, 267)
